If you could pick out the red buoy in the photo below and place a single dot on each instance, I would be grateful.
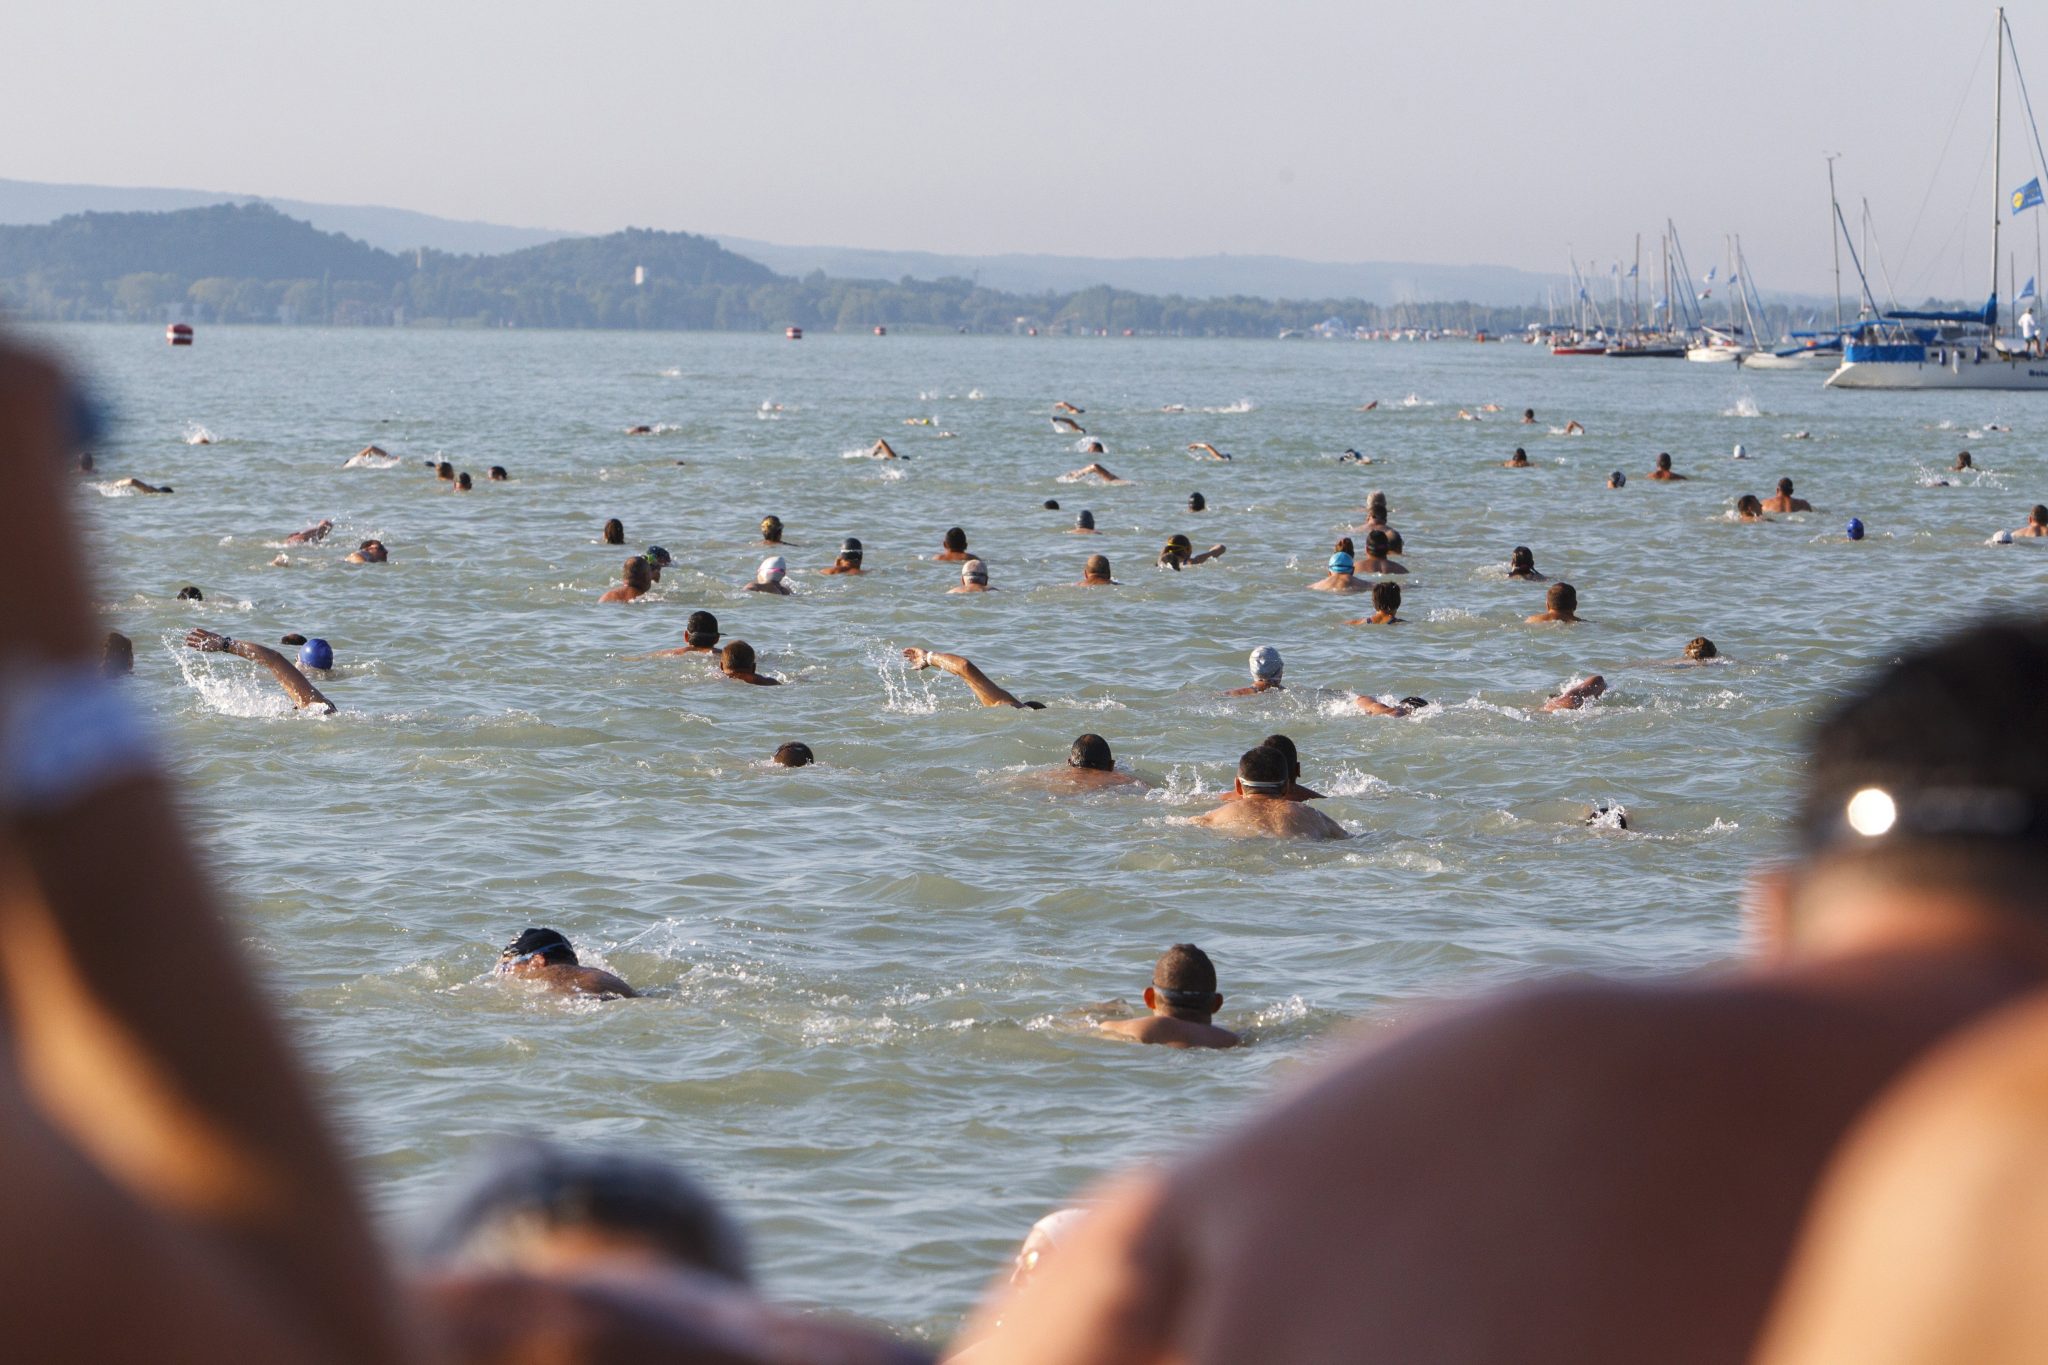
(178, 334)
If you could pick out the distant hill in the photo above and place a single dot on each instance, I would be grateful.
(234, 241)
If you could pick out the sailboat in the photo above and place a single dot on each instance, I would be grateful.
(1948, 350)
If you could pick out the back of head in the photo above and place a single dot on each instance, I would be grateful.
(462, 480)
(795, 754)
(973, 571)
(638, 574)
(1085, 520)
(498, 473)
(1521, 454)
(1749, 504)
(316, 653)
(615, 532)
(1375, 544)
(1376, 505)
(1286, 746)
(955, 539)
(738, 657)
(1266, 664)
(444, 470)
(1196, 502)
(1265, 770)
(1386, 595)
(1345, 545)
(1186, 977)
(1700, 647)
(548, 945)
(701, 630)
(1097, 566)
(2039, 516)
(1663, 459)
(1522, 559)
(1562, 597)
(850, 550)
(1091, 752)
(525, 1192)
(1785, 486)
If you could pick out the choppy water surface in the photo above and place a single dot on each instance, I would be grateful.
(870, 979)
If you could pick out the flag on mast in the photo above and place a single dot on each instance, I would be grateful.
(2027, 195)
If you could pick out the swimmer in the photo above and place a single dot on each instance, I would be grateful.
(1664, 473)
(1340, 577)
(498, 474)
(882, 450)
(1617, 480)
(463, 483)
(1095, 573)
(1740, 452)
(1518, 460)
(315, 655)
(1700, 650)
(1522, 565)
(700, 636)
(369, 552)
(657, 559)
(768, 578)
(736, 661)
(795, 754)
(315, 532)
(771, 530)
(1373, 706)
(1351, 456)
(1068, 424)
(1801, 435)
(1377, 546)
(190, 594)
(1467, 415)
(137, 485)
(1084, 524)
(1091, 470)
(2037, 522)
(370, 456)
(1607, 817)
(1783, 501)
(1180, 553)
(1261, 807)
(614, 532)
(1091, 446)
(1207, 451)
(953, 547)
(1528, 417)
(638, 577)
(1854, 530)
(1266, 667)
(1182, 999)
(543, 957)
(1963, 461)
(1489, 407)
(1572, 428)
(1089, 765)
(304, 695)
(973, 577)
(1748, 508)
(444, 472)
(849, 560)
(1386, 606)
(1064, 406)
(1561, 605)
(985, 691)
(1295, 791)
(641, 430)
(1197, 503)
(1370, 406)
(1577, 694)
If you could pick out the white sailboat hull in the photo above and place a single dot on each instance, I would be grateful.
(1714, 355)
(1802, 360)
(2000, 372)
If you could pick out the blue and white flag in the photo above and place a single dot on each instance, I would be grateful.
(1733, 279)
(1631, 272)
(2028, 292)
(1582, 291)
(1712, 271)
(2027, 195)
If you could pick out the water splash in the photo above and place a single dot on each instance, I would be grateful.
(1241, 405)
(229, 691)
(907, 691)
(197, 435)
(1745, 406)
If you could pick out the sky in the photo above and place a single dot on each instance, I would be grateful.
(1334, 130)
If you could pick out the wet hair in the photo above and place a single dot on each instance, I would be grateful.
(117, 655)
(462, 481)
(955, 539)
(1345, 546)
(498, 474)
(1051, 504)
(771, 529)
(2039, 516)
(191, 594)
(1415, 703)
(1084, 520)
(700, 629)
(1196, 502)
(1091, 752)
(524, 1190)
(639, 573)
(1785, 486)
(1394, 541)
(1265, 766)
(1529, 414)
(1521, 560)
(1186, 977)
(615, 532)
(1097, 566)
(1386, 596)
(549, 945)
(444, 470)
(1663, 459)
(1963, 460)
(292, 639)
(658, 555)
(1562, 597)
(1375, 544)
(1700, 647)
(1178, 548)
(1520, 454)
(737, 657)
(1376, 506)
(795, 754)
(1285, 746)
(1749, 505)
(1617, 480)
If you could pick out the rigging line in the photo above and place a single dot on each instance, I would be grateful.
(1906, 252)
(2040, 158)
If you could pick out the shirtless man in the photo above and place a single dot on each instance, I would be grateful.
(1560, 604)
(1664, 473)
(1573, 428)
(1182, 999)
(1783, 501)
(736, 661)
(1378, 544)
(2037, 522)
(1700, 1111)
(1386, 606)
(849, 560)
(1068, 424)
(1295, 790)
(1180, 553)
(771, 531)
(882, 450)
(1522, 565)
(1095, 573)
(1340, 578)
(768, 578)
(985, 691)
(138, 486)
(953, 547)
(639, 578)
(1518, 460)
(1528, 417)
(544, 958)
(700, 636)
(1261, 807)
(973, 577)
(1092, 470)
(304, 695)
(1064, 406)
(1089, 764)
(316, 532)
(1577, 694)
(1266, 667)
(1373, 706)
(1206, 451)
(369, 552)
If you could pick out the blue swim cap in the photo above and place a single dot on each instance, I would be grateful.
(1340, 562)
(1855, 528)
(316, 653)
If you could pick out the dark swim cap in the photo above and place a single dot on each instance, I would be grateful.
(1052, 504)
(1085, 521)
(316, 653)
(657, 555)
(546, 944)
(1091, 752)
(850, 545)
(1196, 502)
(701, 628)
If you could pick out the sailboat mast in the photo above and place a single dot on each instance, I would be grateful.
(1635, 275)
(1997, 166)
(1835, 238)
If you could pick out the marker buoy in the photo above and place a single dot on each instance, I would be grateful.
(178, 334)
(881, 331)
(793, 333)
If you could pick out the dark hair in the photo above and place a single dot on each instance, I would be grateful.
(1375, 544)
(190, 594)
(1784, 485)
(1091, 752)
(1051, 504)
(1663, 459)
(498, 473)
(1386, 596)
(1529, 412)
(955, 539)
(1196, 502)
(1345, 546)
(1376, 506)
(1749, 505)
(1265, 764)
(700, 629)
(2040, 513)
(639, 573)
(1085, 520)
(444, 470)
(1700, 647)
(1285, 746)
(549, 945)
(1521, 454)
(615, 532)
(1521, 558)
(738, 657)
(795, 754)
(117, 655)
(1185, 970)
(526, 1188)
(462, 480)
(1097, 564)
(771, 529)
(293, 639)
(1562, 597)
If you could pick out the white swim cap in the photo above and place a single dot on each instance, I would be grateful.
(1266, 664)
(2002, 538)
(1740, 453)
(973, 571)
(772, 568)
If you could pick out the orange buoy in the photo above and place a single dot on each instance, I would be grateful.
(178, 334)
(794, 333)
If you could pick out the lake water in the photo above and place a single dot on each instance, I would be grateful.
(870, 980)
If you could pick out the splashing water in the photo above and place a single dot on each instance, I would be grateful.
(907, 691)
(197, 435)
(1745, 406)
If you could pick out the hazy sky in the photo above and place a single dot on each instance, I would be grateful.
(1498, 131)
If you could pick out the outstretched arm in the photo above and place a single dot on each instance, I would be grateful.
(303, 693)
(1213, 552)
(985, 691)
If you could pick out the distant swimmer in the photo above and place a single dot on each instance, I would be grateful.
(1266, 666)
(1197, 503)
(1180, 553)
(700, 636)
(1295, 791)
(795, 754)
(1801, 435)
(1091, 446)
(1700, 650)
(1089, 765)
(638, 576)
(1560, 605)
(1084, 524)
(737, 662)
(543, 957)
(1353, 457)
(1664, 473)
(463, 483)
(1386, 605)
(1377, 546)
(1749, 508)
(1095, 573)
(498, 474)
(1370, 406)
(985, 691)
(304, 695)
(2037, 522)
(1572, 428)
(1064, 406)
(1783, 501)
(1963, 461)
(1467, 415)
(1576, 694)
(117, 655)
(1739, 453)
(315, 655)
(1091, 471)
(444, 472)
(1207, 451)
(1522, 565)
(657, 559)
(614, 532)
(138, 486)
(1068, 424)
(771, 530)
(1528, 417)
(1518, 460)
(1262, 808)
(1340, 577)
(953, 547)
(850, 556)
(882, 450)
(316, 532)
(640, 430)
(1182, 999)
(768, 578)
(1617, 480)
(973, 577)
(190, 594)
(1489, 407)
(1373, 706)
(370, 457)
(369, 552)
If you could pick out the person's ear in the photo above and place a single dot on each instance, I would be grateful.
(1151, 997)
(1237, 785)
(1215, 1003)
(1767, 914)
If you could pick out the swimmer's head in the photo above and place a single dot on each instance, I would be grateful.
(1963, 459)
(498, 474)
(1285, 746)
(1740, 452)
(1607, 817)
(374, 551)
(1700, 647)
(1344, 545)
(316, 653)
(462, 481)
(1096, 567)
(2001, 537)
(1664, 460)
(117, 655)
(954, 540)
(539, 945)
(700, 630)
(444, 470)
(1196, 502)
(639, 574)
(771, 529)
(1265, 664)
(1084, 520)
(1749, 505)
(657, 555)
(1520, 456)
(1376, 505)
(190, 594)
(850, 552)
(1051, 504)
(1091, 752)
(1854, 530)
(1785, 487)
(1341, 563)
(615, 532)
(974, 571)
(1522, 560)
(1184, 979)
(1617, 480)
(2039, 516)
(795, 754)
(1386, 596)
(1528, 414)
(737, 657)
(1376, 545)
(294, 638)
(772, 570)
(1562, 597)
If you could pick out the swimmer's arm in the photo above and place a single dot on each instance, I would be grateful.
(303, 693)
(1213, 552)
(1374, 706)
(985, 691)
